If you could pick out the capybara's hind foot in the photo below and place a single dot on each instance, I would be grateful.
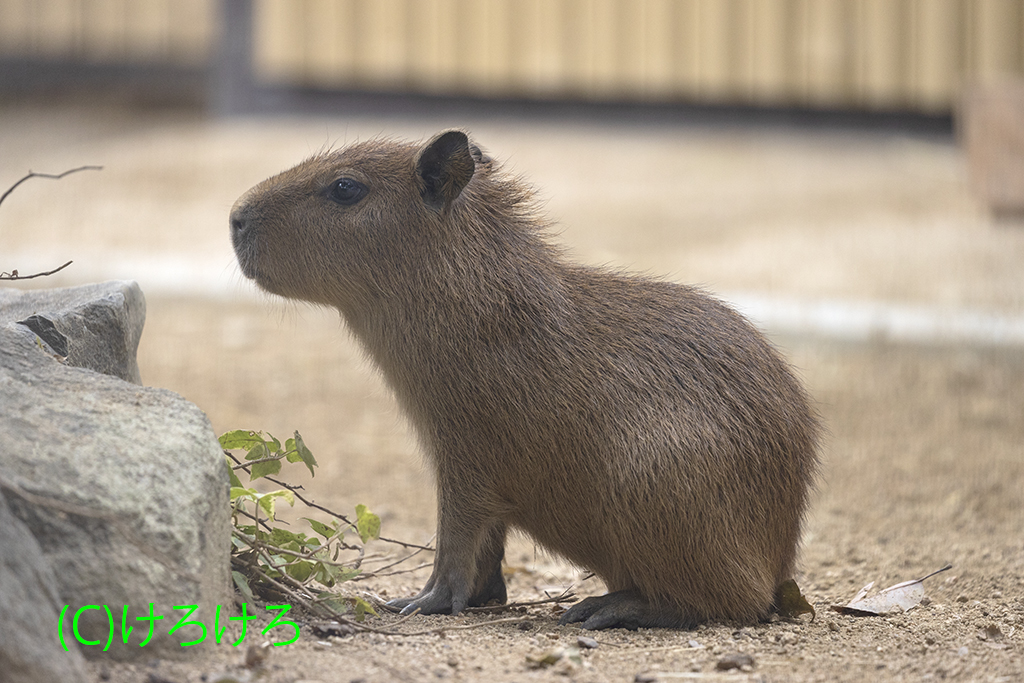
(623, 609)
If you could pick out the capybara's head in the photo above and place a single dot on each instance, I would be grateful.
(340, 226)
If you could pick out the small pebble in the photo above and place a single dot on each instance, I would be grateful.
(734, 661)
(961, 598)
(991, 632)
(587, 643)
(255, 655)
(832, 626)
(694, 643)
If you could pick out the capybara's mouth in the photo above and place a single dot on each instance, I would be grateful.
(244, 254)
(251, 271)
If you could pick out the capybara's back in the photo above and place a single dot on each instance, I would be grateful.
(639, 428)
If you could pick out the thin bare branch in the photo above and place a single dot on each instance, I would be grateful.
(377, 574)
(565, 596)
(51, 176)
(13, 275)
(460, 627)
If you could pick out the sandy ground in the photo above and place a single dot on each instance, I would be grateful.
(923, 464)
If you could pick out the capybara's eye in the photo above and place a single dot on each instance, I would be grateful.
(347, 191)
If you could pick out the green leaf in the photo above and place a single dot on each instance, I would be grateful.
(305, 454)
(241, 492)
(362, 608)
(243, 586)
(337, 603)
(263, 469)
(240, 438)
(321, 528)
(367, 523)
(267, 500)
(291, 451)
(257, 451)
(300, 571)
(273, 444)
(282, 537)
(233, 478)
(326, 574)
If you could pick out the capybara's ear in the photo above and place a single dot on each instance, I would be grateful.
(445, 165)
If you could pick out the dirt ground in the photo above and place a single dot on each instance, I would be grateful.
(923, 464)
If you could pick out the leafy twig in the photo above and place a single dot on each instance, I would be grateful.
(309, 503)
(290, 571)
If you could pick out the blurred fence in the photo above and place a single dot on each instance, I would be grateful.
(861, 54)
(879, 54)
(121, 32)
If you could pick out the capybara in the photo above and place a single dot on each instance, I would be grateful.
(640, 428)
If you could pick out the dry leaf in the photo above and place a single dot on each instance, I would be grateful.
(790, 603)
(894, 599)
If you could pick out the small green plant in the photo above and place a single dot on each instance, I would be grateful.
(270, 561)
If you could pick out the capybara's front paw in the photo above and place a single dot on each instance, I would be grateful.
(436, 599)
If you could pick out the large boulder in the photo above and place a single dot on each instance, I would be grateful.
(94, 326)
(30, 649)
(124, 487)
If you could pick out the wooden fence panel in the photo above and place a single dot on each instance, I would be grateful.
(875, 54)
(109, 31)
(872, 54)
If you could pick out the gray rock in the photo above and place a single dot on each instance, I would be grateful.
(127, 492)
(94, 326)
(30, 651)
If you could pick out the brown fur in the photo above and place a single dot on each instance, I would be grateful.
(639, 428)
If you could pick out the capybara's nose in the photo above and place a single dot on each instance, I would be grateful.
(241, 224)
